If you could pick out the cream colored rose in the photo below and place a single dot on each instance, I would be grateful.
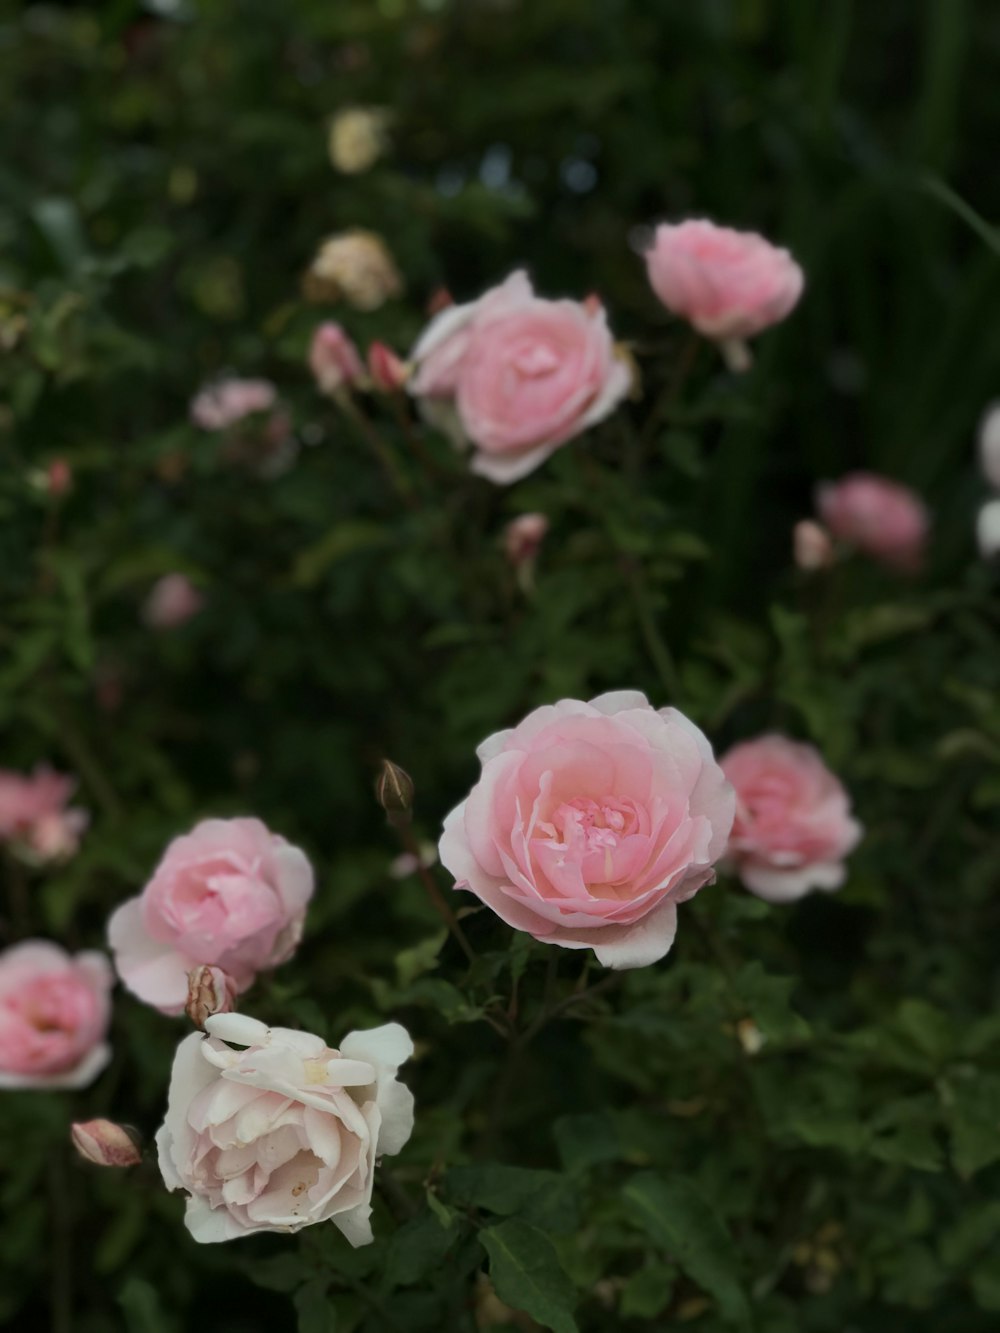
(357, 138)
(355, 266)
(284, 1132)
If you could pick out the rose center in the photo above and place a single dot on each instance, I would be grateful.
(534, 359)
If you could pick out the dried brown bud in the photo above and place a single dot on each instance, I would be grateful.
(106, 1144)
(394, 791)
(210, 992)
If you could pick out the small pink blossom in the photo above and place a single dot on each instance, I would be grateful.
(229, 894)
(590, 823)
(812, 546)
(729, 285)
(54, 1015)
(885, 520)
(105, 1144)
(59, 477)
(228, 401)
(172, 600)
(523, 537)
(793, 825)
(34, 814)
(388, 373)
(210, 992)
(334, 359)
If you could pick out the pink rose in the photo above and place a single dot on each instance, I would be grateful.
(34, 816)
(54, 1015)
(172, 600)
(811, 545)
(728, 284)
(887, 521)
(284, 1133)
(223, 404)
(522, 375)
(590, 823)
(523, 537)
(793, 823)
(229, 894)
(333, 359)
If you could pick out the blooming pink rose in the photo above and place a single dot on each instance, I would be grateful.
(54, 1015)
(887, 521)
(172, 600)
(284, 1133)
(229, 894)
(223, 404)
(522, 374)
(811, 545)
(34, 816)
(334, 359)
(523, 537)
(728, 284)
(590, 823)
(793, 823)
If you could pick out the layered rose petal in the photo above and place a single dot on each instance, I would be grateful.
(230, 895)
(590, 823)
(793, 823)
(285, 1132)
(885, 520)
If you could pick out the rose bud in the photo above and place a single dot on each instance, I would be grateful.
(210, 992)
(105, 1144)
(989, 445)
(812, 546)
(394, 791)
(387, 371)
(988, 530)
(523, 537)
(334, 360)
(172, 600)
(877, 516)
(357, 138)
(59, 477)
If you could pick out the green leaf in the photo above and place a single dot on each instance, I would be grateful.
(544, 1197)
(648, 1292)
(975, 1121)
(143, 1311)
(675, 1215)
(527, 1274)
(343, 540)
(314, 1308)
(417, 1248)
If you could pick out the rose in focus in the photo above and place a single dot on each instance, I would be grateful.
(229, 894)
(793, 825)
(590, 823)
(285, 1132)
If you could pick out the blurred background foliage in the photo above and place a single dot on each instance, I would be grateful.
(642, 1161)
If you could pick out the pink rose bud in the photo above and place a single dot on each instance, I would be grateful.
(59, 477)
(988, 530)
(523, 537)
(172, 600)
(105, 1144)
(591, 823)
(793, 825)
(812, 546)
(388, 373)
(729, 285)
(229, 894)
(228, 401)
(56, 1010)
(885, 520)
(334, 360)
(209, 992)
(989, 445)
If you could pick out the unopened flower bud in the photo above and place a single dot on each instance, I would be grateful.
(394, 791)
(106, 1144)
(333, 359)
(988, 530)
(989, 445)
(210, 992)
(523, 537)
(59, 477)
(812, 545)
(387, 371)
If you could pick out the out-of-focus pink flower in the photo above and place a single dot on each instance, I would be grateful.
(729, 285)
(523, 537)
(988, 530)
(387, 371)
(35, 817)
(880, 517)
(812, 546)
(989, 445)
(334, 359)
(440, 299)
(223, 404)
(55, 1011)
(591, 823)
(210, 992)
(229, 894)
(105, 1144)
(172, 600)
(517, 376)
(793, 825)
(59, 476)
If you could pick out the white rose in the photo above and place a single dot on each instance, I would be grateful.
(284, 1133)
